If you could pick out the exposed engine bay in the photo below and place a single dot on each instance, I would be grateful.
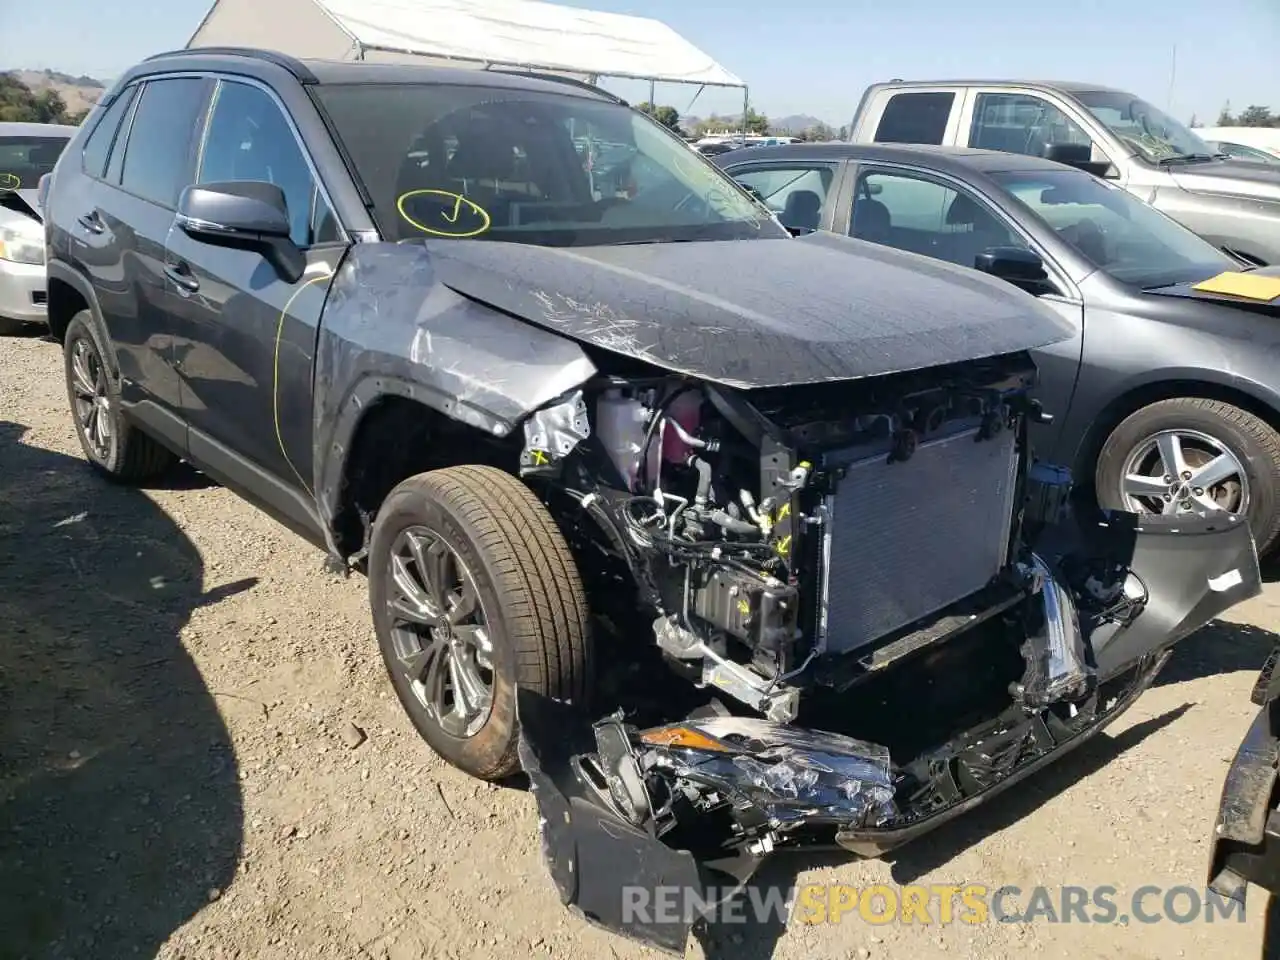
(821, 562)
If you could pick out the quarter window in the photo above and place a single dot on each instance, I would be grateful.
(157, 160)
(926, 217)
(797, 194)
(98, 146)
(1018, 123)
(915, 118)
(248, 138)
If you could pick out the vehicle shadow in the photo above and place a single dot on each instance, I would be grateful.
(756, 939)
(1218, 648)
(119, 792)
(1271, 928)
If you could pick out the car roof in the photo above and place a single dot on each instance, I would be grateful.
(25, 129)
(322, 72)
(1063, 86)
(959, 160)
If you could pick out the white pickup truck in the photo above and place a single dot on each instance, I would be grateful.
(1111, 133)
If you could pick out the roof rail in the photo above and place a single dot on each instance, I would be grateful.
(557, 78)
(293, 65)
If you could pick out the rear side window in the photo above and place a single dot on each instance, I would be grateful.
(797, 194)
(98, 146)
(915, 118)
(157, 160)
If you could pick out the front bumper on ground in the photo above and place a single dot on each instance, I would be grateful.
(1245, 847)
(22, 291)
(697, 803)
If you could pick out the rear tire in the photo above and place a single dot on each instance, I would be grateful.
(112, 445)
(508, 609)
(1205, 429)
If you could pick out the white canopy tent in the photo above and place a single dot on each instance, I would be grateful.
(505, 34)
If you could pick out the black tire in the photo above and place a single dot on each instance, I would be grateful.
(1254, 444)
(129, 455)
(532, 600)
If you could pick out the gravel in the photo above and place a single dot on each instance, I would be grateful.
(200, 756)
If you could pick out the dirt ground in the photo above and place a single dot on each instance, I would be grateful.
(180, 776)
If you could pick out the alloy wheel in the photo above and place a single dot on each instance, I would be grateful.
(1183, 472)
(440, 632)
(89, 397)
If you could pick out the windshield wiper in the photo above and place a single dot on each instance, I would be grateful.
(1191, 158)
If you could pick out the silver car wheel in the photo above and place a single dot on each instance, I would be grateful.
(1183, 472)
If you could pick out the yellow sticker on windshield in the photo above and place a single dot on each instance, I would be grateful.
(453, 215)
(10, 181)
(1250, 286)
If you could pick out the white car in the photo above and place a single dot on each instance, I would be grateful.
(27, 152)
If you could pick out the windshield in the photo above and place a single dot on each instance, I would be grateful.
(1113, 229)
(531, 166)
(24, 160)
(1150, 131)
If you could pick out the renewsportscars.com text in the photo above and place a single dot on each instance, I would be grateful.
(925, 904)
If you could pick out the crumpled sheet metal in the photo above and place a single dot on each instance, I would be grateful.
(790, 773)
(554, 432)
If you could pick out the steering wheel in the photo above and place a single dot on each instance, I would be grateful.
(1087, 237)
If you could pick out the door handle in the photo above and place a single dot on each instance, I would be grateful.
(91, 222)
(180, 273)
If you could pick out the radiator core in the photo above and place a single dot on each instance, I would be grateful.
(909, 538)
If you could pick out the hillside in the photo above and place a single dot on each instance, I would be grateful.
(78, 93)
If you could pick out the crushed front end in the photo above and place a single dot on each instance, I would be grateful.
(884, 609)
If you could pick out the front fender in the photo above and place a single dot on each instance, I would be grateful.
(390, 328)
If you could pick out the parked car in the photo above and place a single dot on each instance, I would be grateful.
(572, 439)
(1264, 140)
(1233, 205)
(27, 152)
(1238, 151)
(1167, 397)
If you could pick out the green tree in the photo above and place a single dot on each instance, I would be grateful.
(19, 104)
(667, 116)
(756, 122)
(843, 133)
(818, 133)
(1225, 119)
(1256, 116)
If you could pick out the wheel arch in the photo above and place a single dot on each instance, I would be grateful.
(1245, 394)
(69, 292)
(387, 431)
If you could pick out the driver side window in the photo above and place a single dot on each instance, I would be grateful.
(248, 138)
(924, 216)
(1019, 123)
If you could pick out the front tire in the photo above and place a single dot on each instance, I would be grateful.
(474, 593)
(112, 445)
(1190, 455)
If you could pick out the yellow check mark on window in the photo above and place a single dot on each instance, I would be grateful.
(457, 211)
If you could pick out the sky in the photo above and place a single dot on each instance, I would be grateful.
(817, 56)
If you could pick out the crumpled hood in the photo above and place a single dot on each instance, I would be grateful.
(23, 203)
(1232, 178)
(755, 313)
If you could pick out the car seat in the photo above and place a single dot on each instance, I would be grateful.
(871, 221)
(802, 211)
(963, 246)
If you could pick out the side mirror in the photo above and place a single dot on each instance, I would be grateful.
(243, 215)
(1080, 156)
(753, 191)
(1018, 265)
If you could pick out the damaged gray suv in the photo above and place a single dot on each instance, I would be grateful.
(730, 541)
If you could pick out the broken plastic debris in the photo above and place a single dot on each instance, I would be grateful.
(790, 773)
